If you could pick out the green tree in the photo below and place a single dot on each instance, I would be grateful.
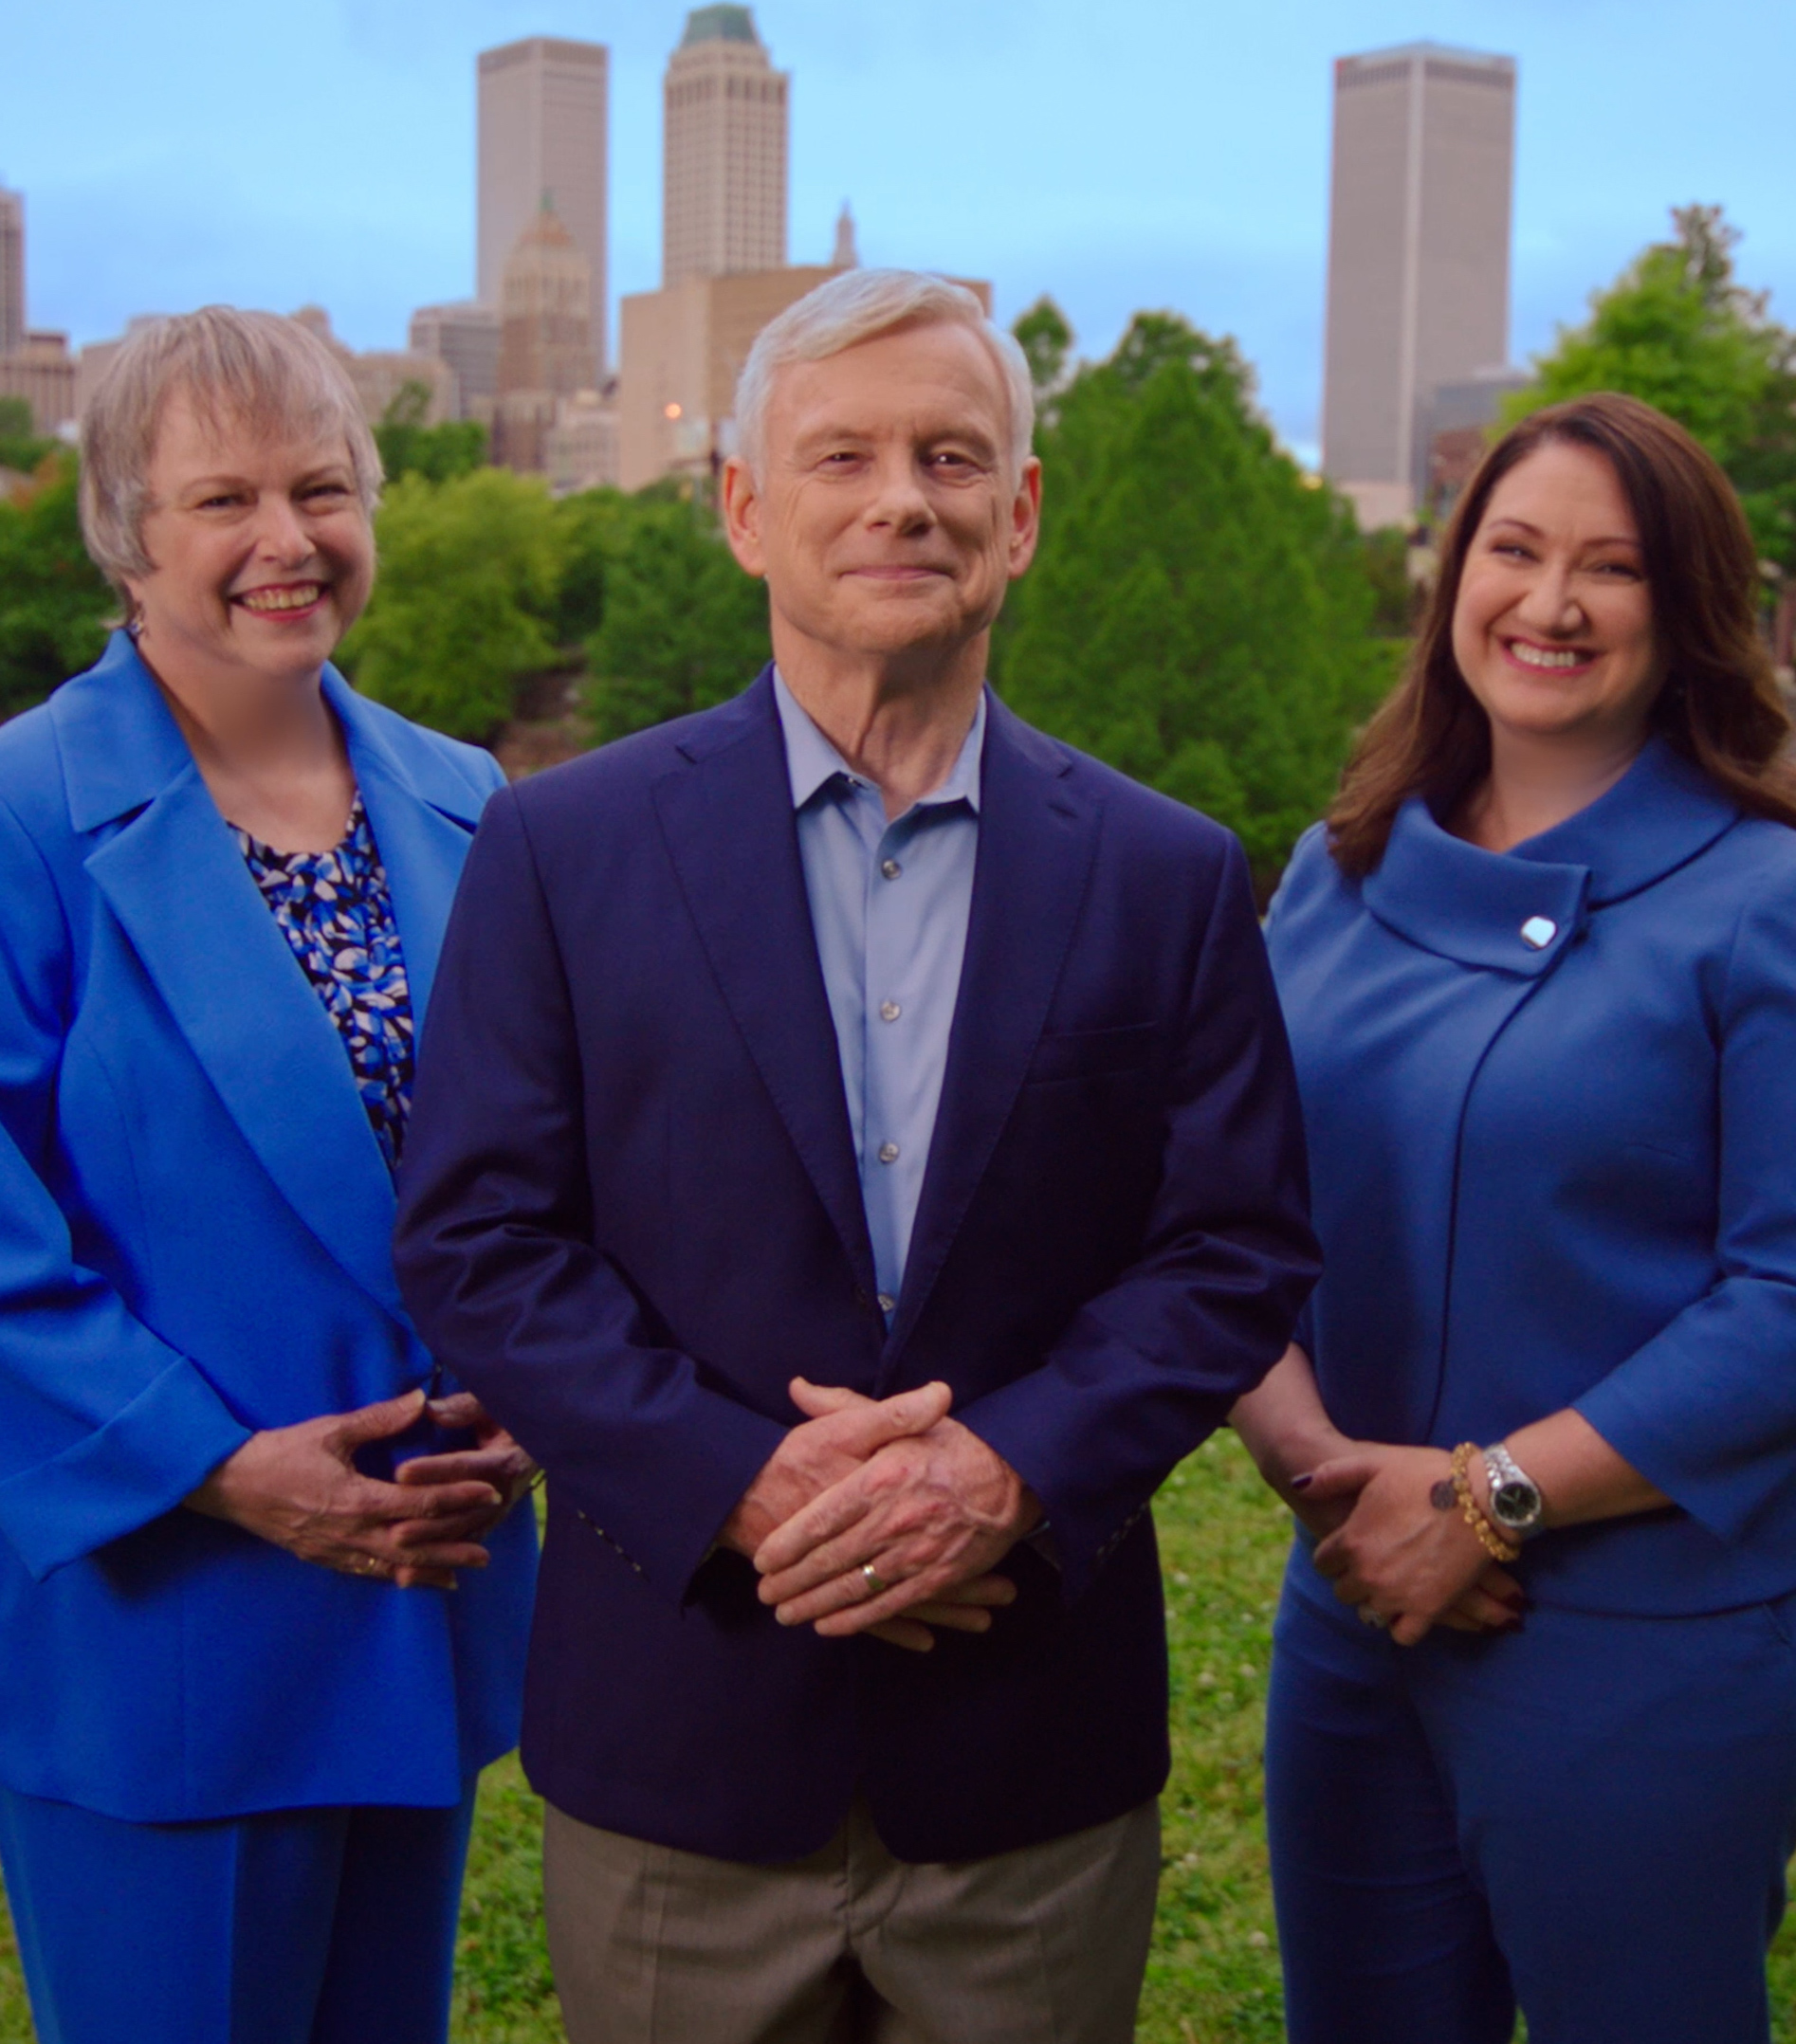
(1046, 340)
(409, 448)
(592, 525)
(22, 446)
(1679, 331)
(1199, 615)
(684, 626)
(469, 571)
(53, 601)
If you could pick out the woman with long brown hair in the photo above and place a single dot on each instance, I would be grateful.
(1532, 1725)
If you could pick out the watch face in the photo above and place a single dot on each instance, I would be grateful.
(1515, 1504)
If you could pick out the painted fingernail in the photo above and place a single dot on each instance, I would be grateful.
(1301, 1482)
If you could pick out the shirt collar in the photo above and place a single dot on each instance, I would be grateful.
(811, 761)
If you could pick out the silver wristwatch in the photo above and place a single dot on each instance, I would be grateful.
(1516, 1500)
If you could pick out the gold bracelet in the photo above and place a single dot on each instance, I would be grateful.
(1489, 1538)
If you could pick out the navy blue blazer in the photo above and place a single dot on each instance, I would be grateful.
(1562, 1172)
(194, 1222)
(629, 1214)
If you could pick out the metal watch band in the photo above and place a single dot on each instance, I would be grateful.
(1516, 1503)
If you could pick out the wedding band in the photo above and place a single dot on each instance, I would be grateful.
(875, 1582)
(366, 1564)
(1369, 1616)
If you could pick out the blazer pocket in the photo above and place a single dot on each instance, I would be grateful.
(1093, 1054)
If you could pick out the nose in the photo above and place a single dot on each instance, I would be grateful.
(281, 534)
(900, 502)
(1549, 605)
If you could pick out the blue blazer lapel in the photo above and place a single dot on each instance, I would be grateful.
(1036, 839)
(172, 876)
(730, 830)
(423, 815)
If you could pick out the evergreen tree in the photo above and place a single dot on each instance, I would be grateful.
(468, 573)
(1200, 613)
(1679, 331)
(53, 601)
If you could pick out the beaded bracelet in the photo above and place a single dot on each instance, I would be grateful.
(1489, 1538)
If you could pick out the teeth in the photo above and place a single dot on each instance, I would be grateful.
(282, 599)
(1540, 656)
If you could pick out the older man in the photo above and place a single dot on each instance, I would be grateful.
(856, 1152)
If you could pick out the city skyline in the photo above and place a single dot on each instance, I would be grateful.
(1166, 162)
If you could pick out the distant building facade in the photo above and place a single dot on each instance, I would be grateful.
(682, 352)
(12, 271)
(1418, 257)
(546, 358)
(383, 376)
(42, 371)
(724, 141)
(542, 130)
(466, 337)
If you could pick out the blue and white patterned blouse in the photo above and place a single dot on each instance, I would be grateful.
(335, 910)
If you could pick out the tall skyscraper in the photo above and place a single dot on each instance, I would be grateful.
(724, 144)
(1418, 256)
(12, 271)
(543, 132)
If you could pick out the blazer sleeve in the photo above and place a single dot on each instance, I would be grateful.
(1150, 1366)
(494, 1250)
(103, 1426)
(1707, 1408)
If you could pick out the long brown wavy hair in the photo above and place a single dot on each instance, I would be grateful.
(1719, 705)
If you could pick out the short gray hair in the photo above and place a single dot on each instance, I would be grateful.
(255, 368)
(861, 305)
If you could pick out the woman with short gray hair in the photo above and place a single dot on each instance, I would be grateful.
(240, 1715)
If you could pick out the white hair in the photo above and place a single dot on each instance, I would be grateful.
(270, 373)
(861, 305)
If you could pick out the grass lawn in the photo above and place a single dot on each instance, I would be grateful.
(1213, 1978)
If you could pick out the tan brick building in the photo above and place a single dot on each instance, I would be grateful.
(724, 142)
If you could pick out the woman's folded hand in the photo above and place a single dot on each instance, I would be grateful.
(1406, 1554)
(298, 1488)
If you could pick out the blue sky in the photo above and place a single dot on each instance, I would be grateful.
(1116, 153)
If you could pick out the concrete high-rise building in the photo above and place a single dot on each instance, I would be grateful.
(723, 152)
(545, 349)
(465, 335)
(12, 271)
(1418, 257)
(542, 131)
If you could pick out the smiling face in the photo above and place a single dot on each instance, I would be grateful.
(886, 518)
(1553, 628)
(263, 555)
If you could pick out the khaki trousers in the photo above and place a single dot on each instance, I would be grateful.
(1045, 1946)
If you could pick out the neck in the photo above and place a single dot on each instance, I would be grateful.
(899, 720)
(1537, 782)
(244, 721)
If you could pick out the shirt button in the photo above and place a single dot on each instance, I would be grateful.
(891, 868)
(886, 1303)
(889, 1153)
(1538, 932)
(889, 1010)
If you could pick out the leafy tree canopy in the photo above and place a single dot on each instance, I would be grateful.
(1678, 330)
(1199, 615)
(53, 601)
(1046, 340)
(468, 574)
(22, 446)
(408, 446)
(684, 626)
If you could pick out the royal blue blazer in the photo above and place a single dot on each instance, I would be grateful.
(630, 1213)
(195, 1223)
(1550, 1097)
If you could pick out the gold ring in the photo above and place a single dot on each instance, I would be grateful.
(876, 1583)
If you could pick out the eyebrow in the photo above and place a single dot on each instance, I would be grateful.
(861, 436)
(1522, 525)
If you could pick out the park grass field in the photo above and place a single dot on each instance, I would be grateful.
(1213, 1978)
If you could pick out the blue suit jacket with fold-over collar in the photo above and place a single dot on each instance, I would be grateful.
(195, 1224)
(1553, 1128)
(631, 1214)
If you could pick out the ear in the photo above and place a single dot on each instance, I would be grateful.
(1025, 517)
(740, 498)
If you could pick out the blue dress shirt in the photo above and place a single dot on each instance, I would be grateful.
(889, 903)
